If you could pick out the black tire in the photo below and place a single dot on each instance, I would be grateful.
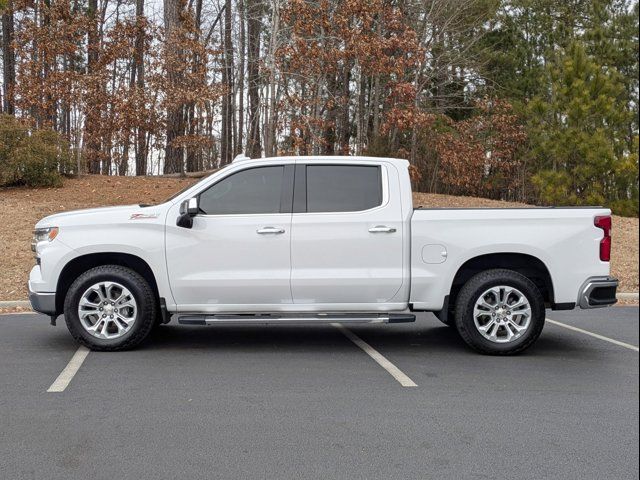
(139, 288)
(472, 291)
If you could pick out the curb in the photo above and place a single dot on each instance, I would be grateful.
(26, 303)
(627, 296)
(15, 303)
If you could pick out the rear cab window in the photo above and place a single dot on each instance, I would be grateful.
(337, 188)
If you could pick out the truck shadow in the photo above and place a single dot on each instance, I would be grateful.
(292, 337)
(425, 337)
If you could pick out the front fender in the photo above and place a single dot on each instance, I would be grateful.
(142, 240)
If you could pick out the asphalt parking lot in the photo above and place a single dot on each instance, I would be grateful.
(307, 402)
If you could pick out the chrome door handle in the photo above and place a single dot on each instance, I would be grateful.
(382, 229)
(271, 230)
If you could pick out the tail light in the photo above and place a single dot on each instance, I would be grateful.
(604, 222)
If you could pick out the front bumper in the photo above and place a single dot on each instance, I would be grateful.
(43, 302)
(598, 292)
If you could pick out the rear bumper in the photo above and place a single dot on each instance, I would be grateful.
(598, 292)
(43, 302)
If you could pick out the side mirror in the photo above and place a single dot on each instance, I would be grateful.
(188, 210)
(192, 206)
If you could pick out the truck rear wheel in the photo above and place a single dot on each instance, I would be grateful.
(110, 308)
(499, 312)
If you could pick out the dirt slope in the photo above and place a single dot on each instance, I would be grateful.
(21, 208)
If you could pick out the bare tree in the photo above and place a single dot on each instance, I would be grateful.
(226, 139)
(240, 84)
(137, 80)
(8, 59)
(174, 54)
(273, 90)
(93, 144)
(254, 9)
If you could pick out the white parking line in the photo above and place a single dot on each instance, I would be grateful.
(595, 335)
(380, 359)
(69, 371)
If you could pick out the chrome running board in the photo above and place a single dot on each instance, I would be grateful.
(291, 318)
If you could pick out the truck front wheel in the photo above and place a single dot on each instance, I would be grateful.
(109, 308)
(499, 312)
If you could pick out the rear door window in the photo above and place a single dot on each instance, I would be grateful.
(343, 188)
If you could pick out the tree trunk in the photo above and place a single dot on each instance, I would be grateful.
(376, 94)
(92, 117)
(47, 67)
(376, 106)
(226, 140)
(344, 135)
(8, 59)
(242, 53)
(137, 80)
(271, 114)
(173, 20)
(360, 117)
(329, 133)
(194, 151)
(254, 14)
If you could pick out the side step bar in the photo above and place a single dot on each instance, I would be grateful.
(292, 318)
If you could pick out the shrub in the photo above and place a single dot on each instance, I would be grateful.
(557, 188)
(625, 208)
(29, 157)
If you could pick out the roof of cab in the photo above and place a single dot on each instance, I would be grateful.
(329, 158)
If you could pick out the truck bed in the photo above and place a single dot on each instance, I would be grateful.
(565, 239)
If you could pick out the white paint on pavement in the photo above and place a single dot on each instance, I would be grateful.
(380, 359)
(65, 377)
(595, 335)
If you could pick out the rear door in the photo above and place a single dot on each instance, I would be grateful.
(346, 235)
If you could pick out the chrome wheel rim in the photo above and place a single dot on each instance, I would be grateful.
(502, 314)
(107, 310)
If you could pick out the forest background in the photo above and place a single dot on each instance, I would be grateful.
(532, 101)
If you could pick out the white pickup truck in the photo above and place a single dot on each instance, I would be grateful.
(308, 240)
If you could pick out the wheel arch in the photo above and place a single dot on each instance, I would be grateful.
(527, 265)
(82, 263)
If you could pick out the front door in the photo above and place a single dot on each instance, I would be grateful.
(236, 257)
(346, 243)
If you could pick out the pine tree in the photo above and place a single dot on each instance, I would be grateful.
(577, 131)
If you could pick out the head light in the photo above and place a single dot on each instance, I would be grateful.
(43, 234)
